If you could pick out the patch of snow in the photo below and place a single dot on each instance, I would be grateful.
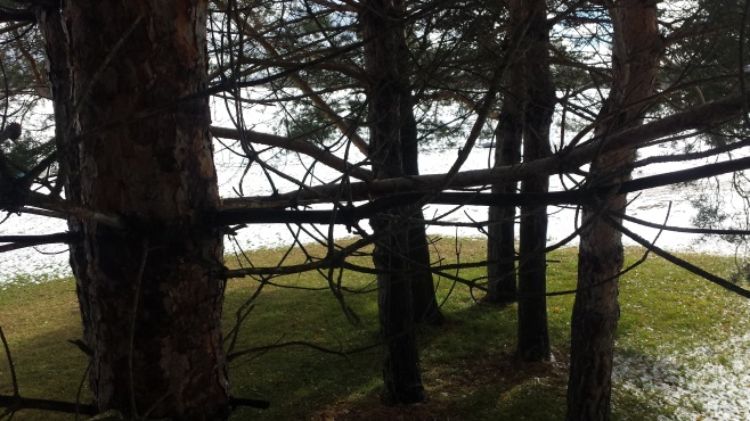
(709, 383)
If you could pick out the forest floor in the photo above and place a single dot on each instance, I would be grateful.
(682, 351)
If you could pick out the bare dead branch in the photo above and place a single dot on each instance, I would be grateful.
(680, 262)
(686, 230)
(21, 241)
(297, 145)
(569, 159)
(18, 403)
(242, 211)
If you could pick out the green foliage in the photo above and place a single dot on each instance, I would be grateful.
(706, 49)
(710, 213)
(27, 151)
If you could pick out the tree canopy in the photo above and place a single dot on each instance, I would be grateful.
(106, 124)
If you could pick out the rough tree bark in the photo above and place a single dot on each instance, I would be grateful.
(539, 104)
(501, 248)
(381, 30)
(134, 142)
(426, 309)
(636, 50)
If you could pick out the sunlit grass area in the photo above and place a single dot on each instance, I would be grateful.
(469, 369)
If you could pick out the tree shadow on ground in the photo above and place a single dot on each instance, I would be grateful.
(468, 364)
(47, 367)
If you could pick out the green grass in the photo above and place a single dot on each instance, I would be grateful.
(468, 364)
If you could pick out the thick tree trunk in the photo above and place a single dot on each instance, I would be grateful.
(533, 336)
(151, 296)
(636, 51)
(382, 30)
(501, 248)
(401, 372)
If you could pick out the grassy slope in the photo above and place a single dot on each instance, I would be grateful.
(468, 365)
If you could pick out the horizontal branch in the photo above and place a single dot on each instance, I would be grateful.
(60, 237)
(354, 214)
(17, 403)
(684, 230)
(233, 214)
(326, 263)
(681, 262)
(240, 211)
(21, 241)
(64, 207)
(40, 212)
(410, 189)
(568, 159)
(683, 176)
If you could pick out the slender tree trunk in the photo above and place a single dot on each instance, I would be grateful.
(151, 296)
(425, 303)
(501, 248)
(636, 50)
(426, 308)
(533, 336)
(381, 26)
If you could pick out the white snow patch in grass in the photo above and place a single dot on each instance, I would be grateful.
(711, 382)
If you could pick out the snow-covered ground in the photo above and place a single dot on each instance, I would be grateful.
(39, 263)
(709, 383)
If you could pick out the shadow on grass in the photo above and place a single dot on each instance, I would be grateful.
(47, 367)
(468, 364)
